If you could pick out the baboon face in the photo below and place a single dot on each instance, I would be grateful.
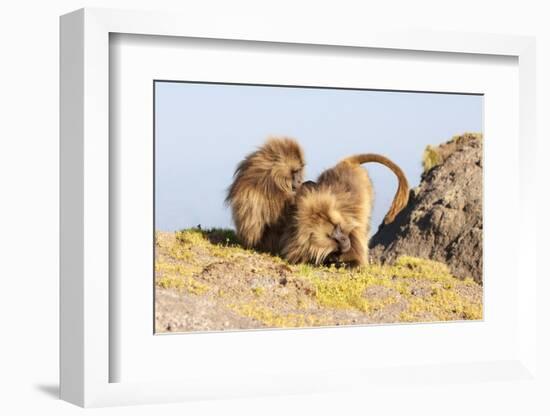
(297, 178)
(327, 240)
(341, 238)
(325, 231)
(288, 173)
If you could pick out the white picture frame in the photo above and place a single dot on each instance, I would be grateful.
(86, 353)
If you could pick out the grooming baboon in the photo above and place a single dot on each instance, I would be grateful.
(264, 187)
(330, 219)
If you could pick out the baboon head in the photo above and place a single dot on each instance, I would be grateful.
(275, 171)
(282, 164)
(320, 230)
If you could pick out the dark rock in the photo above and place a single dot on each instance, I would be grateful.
(443, 220)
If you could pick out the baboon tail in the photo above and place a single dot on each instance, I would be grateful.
(401, 198)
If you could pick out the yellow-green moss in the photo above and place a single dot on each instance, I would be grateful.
(181, 253)
(229, 252)
(346, 289)
(406, 266)
(213, 236)
(435, 155)
(258, 291)
(187, 284)
(430, 158)
(306, 270)
(191, 236)
(224, 246)
(442, 305)
(180, 269)
(459, 138)
(271, 318)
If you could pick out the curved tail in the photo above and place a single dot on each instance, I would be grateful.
(401, 198)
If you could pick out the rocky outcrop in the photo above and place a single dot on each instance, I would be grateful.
(443, 220)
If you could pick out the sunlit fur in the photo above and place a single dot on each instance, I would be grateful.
(343, 196)
(262, 192)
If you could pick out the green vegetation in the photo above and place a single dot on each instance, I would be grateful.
(430, 158)
(436, 155)
(182, 283)
(273, 319)
(221, 236)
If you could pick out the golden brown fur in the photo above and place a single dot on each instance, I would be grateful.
(331, 219)
(264, 187)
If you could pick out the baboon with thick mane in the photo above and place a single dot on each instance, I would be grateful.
(330, 219)
(263, 189)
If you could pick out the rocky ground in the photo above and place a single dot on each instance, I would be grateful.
(205, 281)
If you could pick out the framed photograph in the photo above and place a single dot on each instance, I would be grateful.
(275, 212)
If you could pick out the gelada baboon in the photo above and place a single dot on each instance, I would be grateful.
(330, 220)
(263, 189)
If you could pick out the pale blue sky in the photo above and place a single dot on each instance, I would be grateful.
(204, 130)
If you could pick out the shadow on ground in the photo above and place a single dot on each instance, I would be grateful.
(51, 390)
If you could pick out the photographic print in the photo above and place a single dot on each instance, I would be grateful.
(295, 207)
